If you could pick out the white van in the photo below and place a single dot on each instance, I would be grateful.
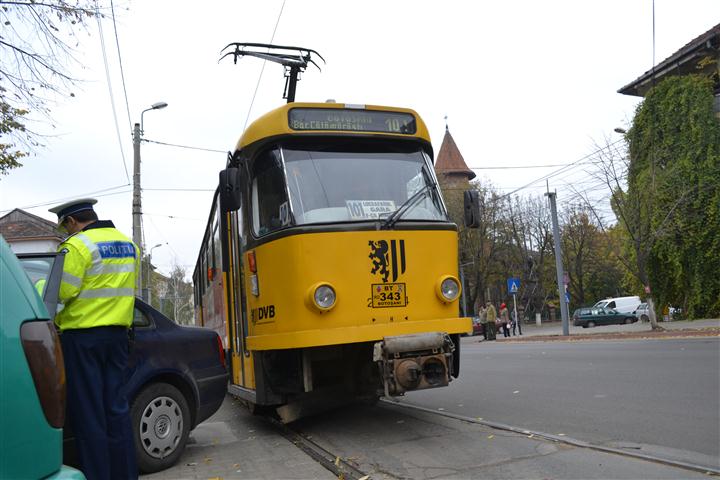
(621, 304)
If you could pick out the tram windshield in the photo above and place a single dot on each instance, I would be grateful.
(342, 186)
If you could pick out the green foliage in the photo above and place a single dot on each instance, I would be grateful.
(674, 180)
(10, 121)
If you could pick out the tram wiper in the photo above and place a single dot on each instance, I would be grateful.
(407, 204)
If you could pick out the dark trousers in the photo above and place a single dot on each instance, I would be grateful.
(96, 365)
(506, 330)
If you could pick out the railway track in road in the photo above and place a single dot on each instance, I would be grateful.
(561, 439)
(342, 468)
(319, 446)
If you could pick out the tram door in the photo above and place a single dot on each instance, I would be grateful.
(242, 365)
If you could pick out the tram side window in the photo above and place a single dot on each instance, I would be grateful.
(269, 199)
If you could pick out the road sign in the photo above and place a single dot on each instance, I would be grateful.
(513, 284)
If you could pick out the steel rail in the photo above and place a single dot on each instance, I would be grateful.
(708, 470)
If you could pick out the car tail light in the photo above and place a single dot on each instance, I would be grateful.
(221, 351)
(44, 356)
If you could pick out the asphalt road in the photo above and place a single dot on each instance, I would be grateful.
(661, 397)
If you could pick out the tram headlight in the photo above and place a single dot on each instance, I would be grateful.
(448, 289)
(322, 297)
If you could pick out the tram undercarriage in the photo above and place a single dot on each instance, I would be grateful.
(304, 382)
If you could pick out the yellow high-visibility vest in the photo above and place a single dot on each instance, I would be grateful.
(98, 282)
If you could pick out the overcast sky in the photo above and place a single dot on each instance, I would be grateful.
(522, 83)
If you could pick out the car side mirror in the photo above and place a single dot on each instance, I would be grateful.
(472, 208)
(230, 193)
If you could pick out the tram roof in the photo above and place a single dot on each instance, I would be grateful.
(276, 123)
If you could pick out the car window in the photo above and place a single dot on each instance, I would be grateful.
(140, 319)
(45, 273)
(38, 269)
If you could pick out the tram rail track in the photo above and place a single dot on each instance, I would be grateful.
(334, 463)
(705, 469)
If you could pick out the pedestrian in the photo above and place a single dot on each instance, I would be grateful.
(491, 315)
(98, 293)
(513, 322)
(482, 317)
(505, 320)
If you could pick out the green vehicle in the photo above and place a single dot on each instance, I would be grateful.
(32, 376)
(595, 316)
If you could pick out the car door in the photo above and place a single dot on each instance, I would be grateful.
(45, 272)
(601, 316)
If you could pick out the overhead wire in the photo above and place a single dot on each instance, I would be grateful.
(112, 98)
(97, 193)
(183, 146)
(122, 71)
(257, 85)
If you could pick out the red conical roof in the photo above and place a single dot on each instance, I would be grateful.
(450, 161)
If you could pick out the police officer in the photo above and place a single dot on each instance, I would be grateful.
(98, 293)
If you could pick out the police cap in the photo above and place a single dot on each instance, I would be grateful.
(74, 206)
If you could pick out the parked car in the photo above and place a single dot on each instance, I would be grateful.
(621, 304)
(178, 375)
(591, 317)
(642, 312)
(32, 383)
(477, 327)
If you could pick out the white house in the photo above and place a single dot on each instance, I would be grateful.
(28, 233)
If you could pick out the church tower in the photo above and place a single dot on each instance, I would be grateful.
(450, 166)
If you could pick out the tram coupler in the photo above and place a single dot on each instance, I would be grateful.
(414, 362)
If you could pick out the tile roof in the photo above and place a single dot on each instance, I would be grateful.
(449, 159)
(691, 58)
(19, 224)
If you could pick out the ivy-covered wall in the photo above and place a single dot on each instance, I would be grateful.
(674, 177)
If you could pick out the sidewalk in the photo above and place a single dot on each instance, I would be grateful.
(549, 329)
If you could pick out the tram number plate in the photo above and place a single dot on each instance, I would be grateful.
(388, 295)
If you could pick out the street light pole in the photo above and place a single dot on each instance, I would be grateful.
(137, 199)
(558, 265)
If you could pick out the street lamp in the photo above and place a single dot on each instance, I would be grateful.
(620, 130)
(148, 280)
(137, 201)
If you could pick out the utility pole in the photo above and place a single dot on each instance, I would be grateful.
(558, 264)
(137, 205)
(137, 199)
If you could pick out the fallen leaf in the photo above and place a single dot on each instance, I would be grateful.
(490, 437)
(400, 421)
(516, 391)
(337, 461)
(191, 464)
(441, 409)
(561, 434)
(366, 477)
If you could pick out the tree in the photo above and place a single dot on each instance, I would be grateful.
(178, 302)
(36, 48)
(665, 193)
(674, 177)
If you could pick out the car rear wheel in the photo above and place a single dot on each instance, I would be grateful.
(591, 324)
(161, 425)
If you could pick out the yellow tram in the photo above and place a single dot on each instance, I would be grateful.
(329, 265)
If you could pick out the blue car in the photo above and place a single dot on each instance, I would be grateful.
(178, 374)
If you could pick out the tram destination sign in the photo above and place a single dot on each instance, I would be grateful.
(351, 120)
